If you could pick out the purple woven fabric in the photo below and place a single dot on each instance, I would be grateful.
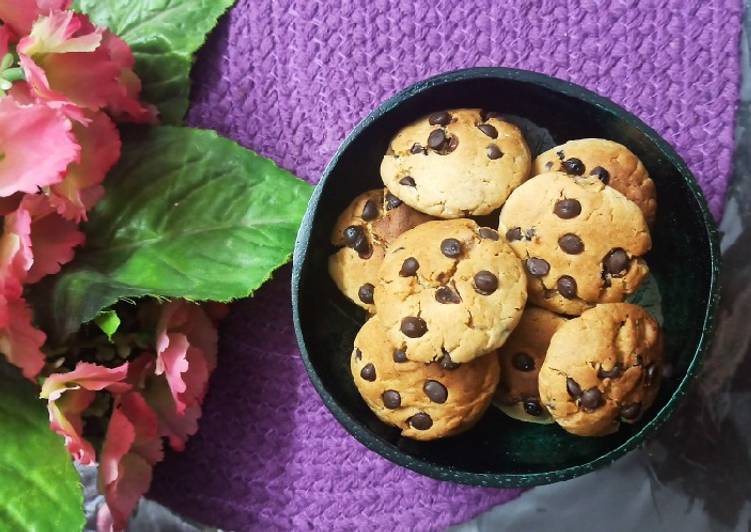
(290, 80)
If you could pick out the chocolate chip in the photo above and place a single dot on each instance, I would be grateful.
(537, 267)
(612, 373)
(494, 152)
(489, 130)
(368, 372)
(567, 286)
(407, 181)
(436, 139)
(451, 247)
(358, 354)
(363, 247)
(391, 399)
(560, 155)
(421, 421)
(592, 399)
(549, 165)
(602, 174)
(446, 295)
(435, 391)
(485, 282)
(523, 362)
(409, 267)
(414, 327)
(530, 233)
(392, 202)
(399, 356)
(573, 388)
(532, 407)
(515, 233)
(416, 148)
(573, 166)
(488, 233)
(567, 208)
(447, 363)
(631, 412)
(352, 234)
(571, 244)
(365, 293)
(616, 262)
(369, 211)
(441, 118)
(649, 375)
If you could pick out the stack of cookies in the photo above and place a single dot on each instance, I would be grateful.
(530, 315)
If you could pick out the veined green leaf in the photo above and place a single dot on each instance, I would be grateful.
(39, 487)
(187, 214)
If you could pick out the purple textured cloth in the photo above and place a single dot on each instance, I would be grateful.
(290, 80)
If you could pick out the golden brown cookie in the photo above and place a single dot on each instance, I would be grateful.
(456, 163)
(614, 164)
(425, 401)
(451, 287)
(581, 242)
(364, 230)
(602, 368)
(521, 358)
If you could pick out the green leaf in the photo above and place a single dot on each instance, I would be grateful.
(187, 214)
(164, 35)
(108, 321)
(39, 487)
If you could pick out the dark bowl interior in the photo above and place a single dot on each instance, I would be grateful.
(500, 451)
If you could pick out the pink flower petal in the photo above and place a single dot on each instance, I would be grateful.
(36, 146)
(20, 342)
(70, 394)
(176, 427)
(53, 238)
(132, 447)
(21, 14)
(15, 253)
(173, 363)
(191, 320)
(100, 150)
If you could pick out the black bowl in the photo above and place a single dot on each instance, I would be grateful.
(499, 451)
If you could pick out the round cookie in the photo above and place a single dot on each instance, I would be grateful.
(521, 358)
(581, 242)
(602, 368)
(450, 288)
(614, 164)
(377, 218)
(456, 163)
(425, 401)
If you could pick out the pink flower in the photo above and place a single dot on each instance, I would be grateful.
(36, 146)
(100, 150)
(21, 14)
(132, 446)
(53, 238)
(186, 351)
(70, 394)
(68, 61)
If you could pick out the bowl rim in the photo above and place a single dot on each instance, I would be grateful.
(510, 480)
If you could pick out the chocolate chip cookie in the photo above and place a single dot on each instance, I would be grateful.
(456, 163)
(450, 288)
(521, 358)
(580, 241)
(612, 163)
(425, 401)
(602, 368)
(364, 230)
